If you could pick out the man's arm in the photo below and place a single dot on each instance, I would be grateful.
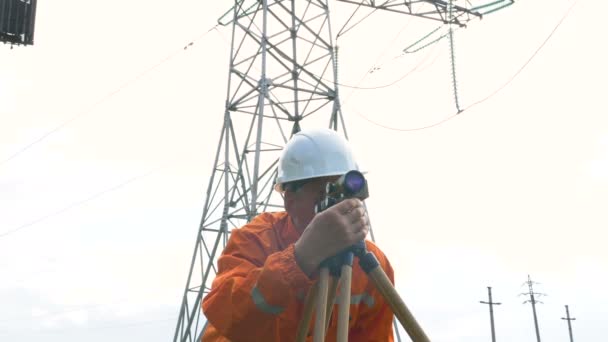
(253, 288)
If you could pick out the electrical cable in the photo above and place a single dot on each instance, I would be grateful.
(504, 85)
(357, 86)
(510, 79)
(392, 83)
(78, 203)
(342, 32)
(109, 326)
(105, 98)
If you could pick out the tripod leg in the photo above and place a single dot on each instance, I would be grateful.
(309, 305)
(319, 334)
(405, 317)
(344, 303)
(333, 288)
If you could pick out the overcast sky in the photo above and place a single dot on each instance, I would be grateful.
(98, 217)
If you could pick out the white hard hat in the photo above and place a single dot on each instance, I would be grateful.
(314, 153)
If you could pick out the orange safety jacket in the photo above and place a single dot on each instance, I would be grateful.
(259, 290)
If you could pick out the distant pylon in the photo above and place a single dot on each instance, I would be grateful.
(490, 303)
(569, 325)
(533, 301)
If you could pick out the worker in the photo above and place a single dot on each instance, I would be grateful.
(270, 263)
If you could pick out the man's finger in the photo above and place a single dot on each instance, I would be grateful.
(357, 215)
(347, 206)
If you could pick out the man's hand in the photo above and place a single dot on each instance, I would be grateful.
(330, 232)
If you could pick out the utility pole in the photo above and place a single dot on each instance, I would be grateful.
(533, 301)
(569, 325)
(491, 304)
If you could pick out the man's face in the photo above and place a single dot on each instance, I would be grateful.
(300, 204)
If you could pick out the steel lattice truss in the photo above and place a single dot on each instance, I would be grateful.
(448, 12)
(281, 72)
(282, 75)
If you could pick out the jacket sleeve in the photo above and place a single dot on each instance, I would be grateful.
(375, 324)
(253, 288)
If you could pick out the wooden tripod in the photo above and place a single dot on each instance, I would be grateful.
(340, 267)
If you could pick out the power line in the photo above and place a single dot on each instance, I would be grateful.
(405, 129)
(404, 51)
(343, 32)
(69, 309)
(109, 326)
(509, 80)
(390, 84)
(408, 73)
(559, 23)
(78, 203)
(104, 98)
(49, 314)
(357, 86)
(91, 197)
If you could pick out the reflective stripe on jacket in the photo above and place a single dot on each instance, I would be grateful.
(259, 290)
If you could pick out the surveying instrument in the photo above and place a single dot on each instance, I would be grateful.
(323, 293)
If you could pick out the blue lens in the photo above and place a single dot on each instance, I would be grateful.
(353, 182)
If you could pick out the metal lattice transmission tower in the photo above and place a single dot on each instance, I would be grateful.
(282, 71)
(533, 301)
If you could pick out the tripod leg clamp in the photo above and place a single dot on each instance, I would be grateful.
(368, 262)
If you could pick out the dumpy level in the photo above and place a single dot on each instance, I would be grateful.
(323, 293)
